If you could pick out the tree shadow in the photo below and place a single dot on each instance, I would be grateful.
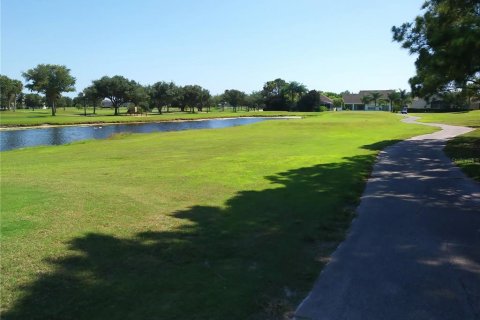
(254, 258)
(413, 253)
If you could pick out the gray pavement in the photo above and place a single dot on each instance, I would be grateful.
(413, 252)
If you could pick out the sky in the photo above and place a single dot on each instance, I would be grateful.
(333, 45)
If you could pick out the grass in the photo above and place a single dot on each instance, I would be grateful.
(464, 118)
(70, 116)
(464, 150)
(205, 224)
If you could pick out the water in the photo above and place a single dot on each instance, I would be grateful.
(16, 139)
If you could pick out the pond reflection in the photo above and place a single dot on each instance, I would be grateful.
(16, 139)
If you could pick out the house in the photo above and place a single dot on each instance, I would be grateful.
(326, 101)
(436, 103)
(355, 101)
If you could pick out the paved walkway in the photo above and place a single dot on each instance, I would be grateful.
(414, 250)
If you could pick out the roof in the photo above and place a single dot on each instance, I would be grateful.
(356, 98)
(326, 99)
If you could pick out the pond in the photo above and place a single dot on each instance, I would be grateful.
(15, 139)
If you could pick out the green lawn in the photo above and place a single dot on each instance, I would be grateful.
(463, 150)
(464, 118)
(231, 223)
(75, 116)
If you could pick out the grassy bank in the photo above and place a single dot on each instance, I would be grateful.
(464, 118)
(231, 223)
(463, 150)
(70, 116)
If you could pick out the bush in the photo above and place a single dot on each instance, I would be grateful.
(322, 109)
(134, 110)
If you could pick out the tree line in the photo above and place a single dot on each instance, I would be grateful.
(50, 81)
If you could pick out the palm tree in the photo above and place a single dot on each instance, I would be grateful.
(366, 100)
(403, 97)
(393, 97)
(375, 96)
(294, 90)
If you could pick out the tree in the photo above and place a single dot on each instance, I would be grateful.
(393, 98)
(446, 40)
(51, 80)
(20, 100)
(205, 99)
(254, 101)
(338, 102)
(374, 96)
(234, 98)
(162, 94)
(82, 100)
(92, 97)
(191, 96)
(64, 102)
(366, 99)
(9, 90)
(33, 100)
(310, 101)
(294, 90)
(139, 96)
(403, 98)
(274, 95)
(119, 90)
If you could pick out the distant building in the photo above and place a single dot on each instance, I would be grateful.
(353, 101)
(106, 103)
(436, 103)
(326, 101)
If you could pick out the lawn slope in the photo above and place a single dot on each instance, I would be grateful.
(231, 223)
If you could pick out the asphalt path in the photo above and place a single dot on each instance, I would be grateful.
(413, 252)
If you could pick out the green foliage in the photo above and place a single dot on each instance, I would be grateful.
(338, 102)
(309, 102)
(366, 99)
(322, 109)
(51, 80)
(255, 101)
(34, 100)
(274, 95)
(235, 98)
(332, 95)
(293, 91)
(446, 40)
(375, 96)
(92, 97)
(134, 109)
(119, 90)
(193, 96)
(162, 94)
(9, 90)
(65, 102)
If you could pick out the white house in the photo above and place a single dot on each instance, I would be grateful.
(354, 101)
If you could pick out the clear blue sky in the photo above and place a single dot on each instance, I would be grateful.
(219, 44)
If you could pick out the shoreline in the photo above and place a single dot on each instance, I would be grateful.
(92, 124)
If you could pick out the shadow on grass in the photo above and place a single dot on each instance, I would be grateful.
(465, 152)
(255, 258)
(377, 146)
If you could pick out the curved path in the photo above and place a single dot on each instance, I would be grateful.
(414, 250)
